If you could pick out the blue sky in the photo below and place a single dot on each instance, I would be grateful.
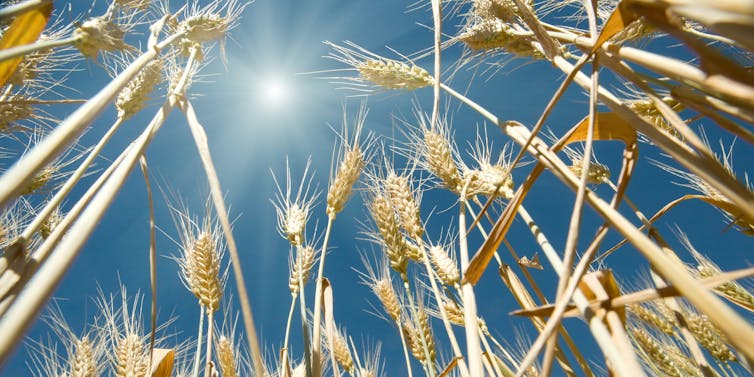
(249, 137)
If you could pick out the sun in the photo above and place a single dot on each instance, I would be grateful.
(274, 91)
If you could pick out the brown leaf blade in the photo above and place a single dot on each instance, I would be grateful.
(482, 258)
(608, 126)
(449, 369)
(619, 20)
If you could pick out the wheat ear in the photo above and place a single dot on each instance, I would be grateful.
(226, 357)
(401, 196)
(654, 352)
(387, 225)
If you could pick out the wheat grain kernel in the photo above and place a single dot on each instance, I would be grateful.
(392, 74)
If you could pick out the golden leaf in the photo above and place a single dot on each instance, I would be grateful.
(619, 19)
(162, 362)
(24, 29)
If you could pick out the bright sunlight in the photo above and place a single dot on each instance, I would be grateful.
(274, 91)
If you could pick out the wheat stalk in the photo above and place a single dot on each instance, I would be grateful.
(39, 287)
(338, 194)
(21, 173)
(200, 138)
(21, 7)
(727, 320)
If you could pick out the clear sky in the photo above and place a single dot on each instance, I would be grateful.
(261, 108)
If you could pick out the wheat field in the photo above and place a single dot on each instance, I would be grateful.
(497, 188)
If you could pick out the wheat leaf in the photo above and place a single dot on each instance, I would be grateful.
(162, 362)
(24, 29)
(619, 19)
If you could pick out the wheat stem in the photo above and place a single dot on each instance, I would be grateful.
(715, 85)
(640, 215)
(488, 350)
(505, 353)
(704, 165)
(21, 7)
(152, 260)
(575, 223)
(429, 367)
(405, 349)
(199, 342)
(569, 341)
(330, 334)
(308, 355)
(443, 314)
(40, 286)
(210, 334)
(23, 171)
(599, 330)
(305, 329)
(200, 139)
(479, 226)
(15, 278)
(17, 51)
(284, 362)
(473, 349)
(318, 293)
(691, 97)
(437, 20)
(55, 201)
